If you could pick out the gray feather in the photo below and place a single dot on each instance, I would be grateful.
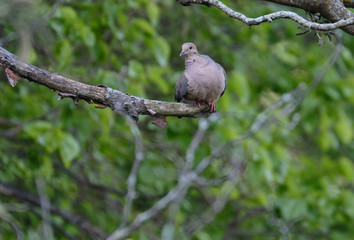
(181, 87)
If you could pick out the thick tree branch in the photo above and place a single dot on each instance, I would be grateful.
(311, 5)
(332, 10)
(118, 101)
(348, 3)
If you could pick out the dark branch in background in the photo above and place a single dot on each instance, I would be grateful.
(83, 181)
(118, 101)
(86, 227)
(6, 217)
(333, 10)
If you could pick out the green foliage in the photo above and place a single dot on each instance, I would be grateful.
(302, 176)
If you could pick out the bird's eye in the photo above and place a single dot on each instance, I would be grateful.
(190, 47)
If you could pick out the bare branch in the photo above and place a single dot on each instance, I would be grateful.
(85, 226)
(45, 206)
(155, 209)
(132, 179)
(238, 166)
(118, 101)
(332, 10)
(345, 21)
(6, 217)
(198, 137)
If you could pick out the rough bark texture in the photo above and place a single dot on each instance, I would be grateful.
(116, 100)
(332, 10)
(335, 11)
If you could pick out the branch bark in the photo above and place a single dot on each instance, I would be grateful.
(333, 10)
(348, 3)
(118, 101)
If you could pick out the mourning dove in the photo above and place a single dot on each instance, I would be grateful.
(203, 81)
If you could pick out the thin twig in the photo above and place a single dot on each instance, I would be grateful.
(132, 179)
(238, 166)
(6, 217)
(45, 207)
(84, 225)
(198, 137)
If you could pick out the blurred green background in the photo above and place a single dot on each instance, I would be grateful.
(299, 180)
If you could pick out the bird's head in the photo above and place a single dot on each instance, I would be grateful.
(188, 49)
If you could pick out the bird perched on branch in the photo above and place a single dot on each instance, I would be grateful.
(203, 81)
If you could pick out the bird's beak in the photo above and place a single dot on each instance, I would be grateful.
(182, 53)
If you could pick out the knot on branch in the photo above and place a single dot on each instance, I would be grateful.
(124, 103)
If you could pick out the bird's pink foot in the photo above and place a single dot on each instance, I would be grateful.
(212, 109)
(197, 103)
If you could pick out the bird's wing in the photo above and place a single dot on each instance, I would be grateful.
(225, 79)
(181, 87)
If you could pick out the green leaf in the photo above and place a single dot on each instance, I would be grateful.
(238, 83)
(57, 26)
(282, 51)
(144, 26)
(153, 13)
(100, 51)
(136, 69)
(37, 128)
(202, 236)
(161, 50)
(348, 57)
(46, 167)
(347, 168)
(292, 207)
(68, 13)
(69, 149)
(65, 53)
(332, 92)
(349, 203)
(344, 128)
(155, 75)
(88, 36)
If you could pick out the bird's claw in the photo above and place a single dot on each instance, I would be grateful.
(198, 104)
(212, 109)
